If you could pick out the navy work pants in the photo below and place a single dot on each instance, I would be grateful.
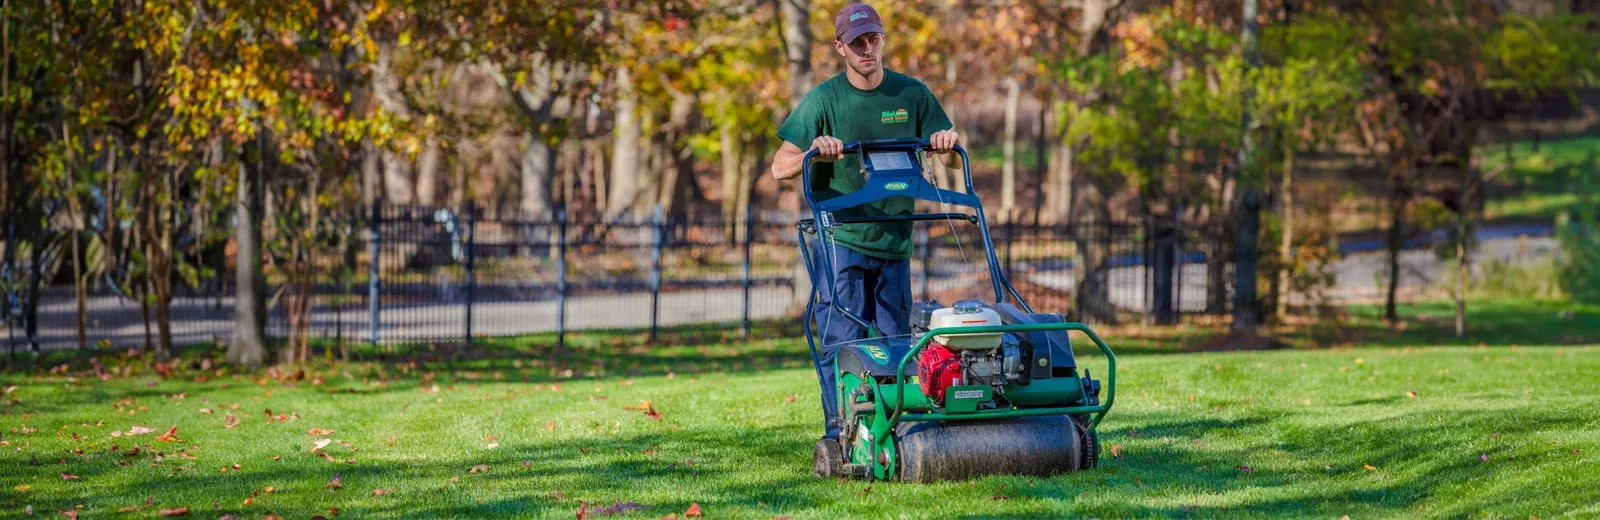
(878, 290)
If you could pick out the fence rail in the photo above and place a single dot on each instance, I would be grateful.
(420, 274)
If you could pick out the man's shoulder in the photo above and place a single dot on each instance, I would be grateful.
(908, 80)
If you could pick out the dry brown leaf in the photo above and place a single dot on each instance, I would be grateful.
(178, 511)
(69, 476)
(170, 436)
(1368, 467)
(694, 510)
(481, 468)
(1116, 450)
(139, 430)
(551, 426)
(1411, 395)
(320, 431)
(379, 492)
(205, 410)
(321, 443)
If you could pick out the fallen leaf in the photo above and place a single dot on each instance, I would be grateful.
(336, 483)
(179, 511)
(1368, 467)
(321, 443)
(653, 414)
(583, 511)
(481, 468)
(791, 398)
(230, 421)
(70, 513)
(1246, 469)
(379, 492)
(1411, 394)
(320, 431)
(205, 410)
(694, 510)
(139, 430)
(69, 476)
(170, 436)
(551, 426)
(1116, 450)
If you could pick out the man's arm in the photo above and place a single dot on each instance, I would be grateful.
(787, 163)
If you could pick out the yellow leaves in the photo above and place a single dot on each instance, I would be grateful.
(1369, 467)
(405, 39)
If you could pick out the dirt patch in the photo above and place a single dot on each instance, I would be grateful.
(1238, 341)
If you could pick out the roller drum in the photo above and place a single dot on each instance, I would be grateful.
(957, 450)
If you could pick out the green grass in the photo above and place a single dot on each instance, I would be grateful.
(1205, 434)
(1539, 184)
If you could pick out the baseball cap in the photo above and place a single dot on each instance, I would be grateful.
(855, 20)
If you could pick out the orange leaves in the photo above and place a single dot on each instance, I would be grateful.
(320, 431)
(649, 410)
(694, 510)
(170, 436)
(178, 511)
(480, 468)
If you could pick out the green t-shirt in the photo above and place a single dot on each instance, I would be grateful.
(900, 107)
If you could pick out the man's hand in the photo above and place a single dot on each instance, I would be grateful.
(944, 140)
(828, 148)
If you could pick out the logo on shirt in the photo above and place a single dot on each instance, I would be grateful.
(896, 116)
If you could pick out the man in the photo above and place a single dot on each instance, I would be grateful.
(871, 270)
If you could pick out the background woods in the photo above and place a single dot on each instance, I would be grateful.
(155, 147)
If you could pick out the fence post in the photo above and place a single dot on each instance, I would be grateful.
(372, 272)
(472, 224)
(749, 232)
(927, 245)
(561, 280)
(655, 274)
(1011, 236)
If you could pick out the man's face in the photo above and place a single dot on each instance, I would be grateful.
(863, 54)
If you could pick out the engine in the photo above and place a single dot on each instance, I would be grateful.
(991, 359)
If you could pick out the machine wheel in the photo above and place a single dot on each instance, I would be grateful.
(1091, 447)
(827, 459)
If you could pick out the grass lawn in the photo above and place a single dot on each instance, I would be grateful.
(1539, 184)
(1397, 427)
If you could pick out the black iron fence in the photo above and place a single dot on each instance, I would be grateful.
(420, 274)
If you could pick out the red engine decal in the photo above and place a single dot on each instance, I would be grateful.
(938, 369)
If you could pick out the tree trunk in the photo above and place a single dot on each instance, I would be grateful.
(1092, 301)
(1008, 169)
(1285, 248)
(1397, 208)
(728, 139)
(429, 163)
(624, 150)
(796, 17)
(398, 185)
(371, 173)
(538, 160)
(249, 344)
(1246, 313)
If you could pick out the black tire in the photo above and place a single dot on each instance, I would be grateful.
(1091, 446)
(828, 458)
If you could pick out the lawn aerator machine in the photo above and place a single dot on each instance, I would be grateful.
(976, 388)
